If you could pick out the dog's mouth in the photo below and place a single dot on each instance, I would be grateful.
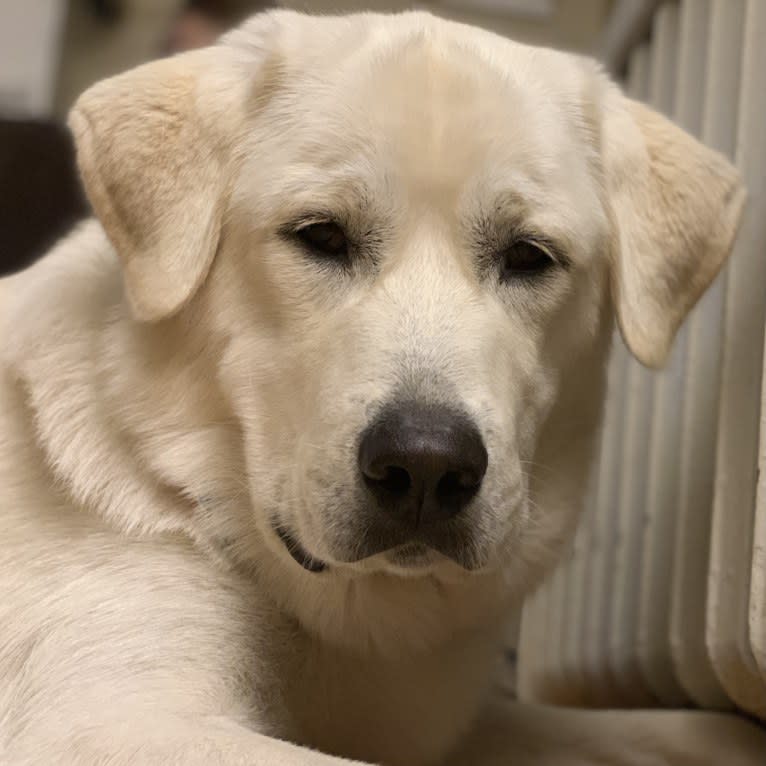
(298, 553)
(397, 547)
(410, 556)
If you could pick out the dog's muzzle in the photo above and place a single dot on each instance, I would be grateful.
(420, 466)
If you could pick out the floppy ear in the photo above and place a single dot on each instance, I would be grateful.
(676, 207)
(153, 163)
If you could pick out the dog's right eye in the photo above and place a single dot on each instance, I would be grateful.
(524, 259)
(326, 239)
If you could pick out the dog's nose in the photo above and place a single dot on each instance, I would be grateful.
(422, 463)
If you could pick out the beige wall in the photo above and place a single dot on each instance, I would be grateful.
(93, 49)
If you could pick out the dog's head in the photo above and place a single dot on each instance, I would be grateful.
(407, 240)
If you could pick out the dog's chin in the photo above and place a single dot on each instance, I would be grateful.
(411, 556)
(413, 560)
(408, 560)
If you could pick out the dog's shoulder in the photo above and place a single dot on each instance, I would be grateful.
(42, 310)
(64, 288)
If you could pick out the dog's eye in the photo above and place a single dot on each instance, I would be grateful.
(326, 239)
(524, 259)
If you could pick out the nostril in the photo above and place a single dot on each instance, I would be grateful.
(391, 479)
(456, 488)
(454, 482)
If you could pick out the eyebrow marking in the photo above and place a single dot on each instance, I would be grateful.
(365, 235)
(494, 233)
(509, 218)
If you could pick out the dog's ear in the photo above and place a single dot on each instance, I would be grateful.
(152, 150)
(676, 207)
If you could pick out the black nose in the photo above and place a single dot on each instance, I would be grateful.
(422, 463)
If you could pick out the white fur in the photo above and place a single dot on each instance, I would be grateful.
(178, 378)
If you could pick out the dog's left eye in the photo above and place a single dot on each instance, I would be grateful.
(326, 239)
(524, 259)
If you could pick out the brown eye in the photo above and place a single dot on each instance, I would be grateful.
(326, 239)
(524, 259)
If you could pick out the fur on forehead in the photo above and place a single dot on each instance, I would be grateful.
(308, 58)
(365, 97)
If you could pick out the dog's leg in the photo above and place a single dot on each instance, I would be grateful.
(166, 742)
(510, 733)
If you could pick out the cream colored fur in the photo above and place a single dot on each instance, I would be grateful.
(179, 377)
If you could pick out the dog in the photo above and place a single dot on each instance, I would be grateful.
(293, 425)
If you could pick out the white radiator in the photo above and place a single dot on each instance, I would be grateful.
(662, 598)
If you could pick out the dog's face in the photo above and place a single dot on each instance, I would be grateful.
(418, 260)
(408, 238)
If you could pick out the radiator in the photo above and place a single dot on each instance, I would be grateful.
(662, 598)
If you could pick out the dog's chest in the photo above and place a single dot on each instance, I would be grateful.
(405, 712)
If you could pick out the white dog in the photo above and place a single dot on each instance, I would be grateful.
(289, 430)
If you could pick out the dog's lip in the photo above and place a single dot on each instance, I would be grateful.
(410, 554)
(298, 553)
